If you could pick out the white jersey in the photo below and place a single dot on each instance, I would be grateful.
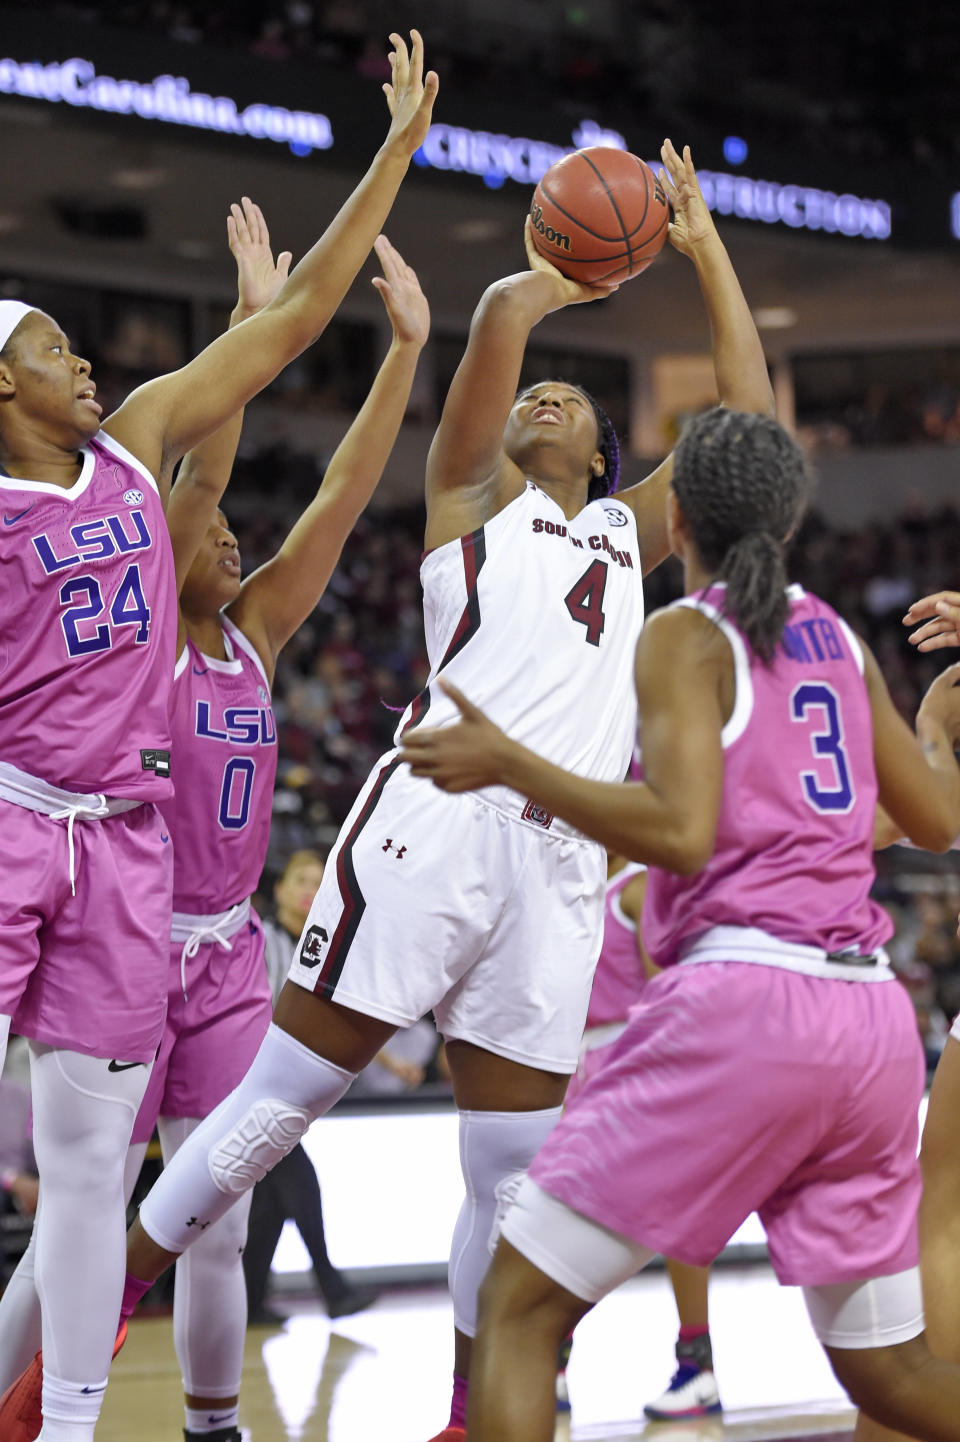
(536, 619)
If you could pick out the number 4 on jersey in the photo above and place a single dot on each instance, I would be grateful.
(584, 601)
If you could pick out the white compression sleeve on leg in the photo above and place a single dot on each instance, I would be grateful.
(20, 1305)
(495, 1150)
(287, 1087)
(4, 1036)
(83, 1114)
(19, 1317)
(210, 1296)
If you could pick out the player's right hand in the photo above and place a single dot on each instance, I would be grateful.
(569, 292)
(410, 94)
(941, 613)
(259, 277)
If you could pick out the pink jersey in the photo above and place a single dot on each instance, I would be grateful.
(225, 757)
(88, 618)
(794, 847)
(619, 977)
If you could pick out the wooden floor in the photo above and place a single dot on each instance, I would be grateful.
(384, 1374)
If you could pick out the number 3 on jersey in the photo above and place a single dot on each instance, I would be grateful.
(827, 745)
(584, 601)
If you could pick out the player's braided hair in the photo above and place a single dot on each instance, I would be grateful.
(609, 447)
(742, 484)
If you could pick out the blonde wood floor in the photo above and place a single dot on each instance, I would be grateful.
(385, 1373)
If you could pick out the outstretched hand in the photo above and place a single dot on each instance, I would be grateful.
(941, 613)
(400, 292)
(259, 278)
(410, 94)
(464, 757)
(569, 292)
(692, 222)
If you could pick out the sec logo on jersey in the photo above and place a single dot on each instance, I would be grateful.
(133, 498)
(615, 517)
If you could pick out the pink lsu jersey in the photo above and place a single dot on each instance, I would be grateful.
(794, 846)
(225, 757)
(619, 978)
(88, 624)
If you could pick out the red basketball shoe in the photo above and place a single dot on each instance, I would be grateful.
(21, 1410)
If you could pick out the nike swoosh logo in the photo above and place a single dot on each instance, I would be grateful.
(87, 1390)
(123, 1066)
(197, 671)
(225, 1418)
(12, 520)
(164, 838)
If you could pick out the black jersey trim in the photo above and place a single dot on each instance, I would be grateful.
(474, 552)
(354, 901)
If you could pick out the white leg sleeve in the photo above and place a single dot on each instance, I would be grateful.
(20, 1305)
(83, 1115)
(879, 1313)
(210, 1296)
(495, 1150)
(4, 1036)
(136, 1152)
(19, 1317)
(286, 1088)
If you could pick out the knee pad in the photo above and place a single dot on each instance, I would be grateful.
(267, 1131)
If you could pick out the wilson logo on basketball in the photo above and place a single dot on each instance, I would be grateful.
(554, 237)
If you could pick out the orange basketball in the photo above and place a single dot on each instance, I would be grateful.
(600, 215)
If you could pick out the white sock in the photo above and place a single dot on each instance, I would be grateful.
(210, 1419)
(70, 1411)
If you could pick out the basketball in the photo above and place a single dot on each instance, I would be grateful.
(600, 215)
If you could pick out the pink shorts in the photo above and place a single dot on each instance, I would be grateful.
(86, 972)
(210, 1039)
(740, 1088)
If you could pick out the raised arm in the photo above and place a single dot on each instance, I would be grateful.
(206, 470)
(738, 360)
(164, 419)
(279, 596)
(469, 476)
(670, 818)
(918, 776)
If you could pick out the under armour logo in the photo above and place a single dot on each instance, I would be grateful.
(389, 846)
(311, 948)
(195, 1222)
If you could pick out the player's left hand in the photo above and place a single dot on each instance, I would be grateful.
(692, 222)
(463, 757)
(401, 294)
(259, 277)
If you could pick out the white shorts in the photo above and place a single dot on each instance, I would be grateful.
(589, 1260)
(433, 902)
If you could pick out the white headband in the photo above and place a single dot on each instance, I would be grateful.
(11, 314)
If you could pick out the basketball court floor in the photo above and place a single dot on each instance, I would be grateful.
(384, 1375)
